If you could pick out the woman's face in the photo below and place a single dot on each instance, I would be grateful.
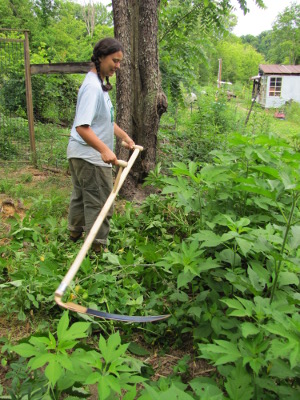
(109, 64)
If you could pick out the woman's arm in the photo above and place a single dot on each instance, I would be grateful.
(89, 136)
(123, 136)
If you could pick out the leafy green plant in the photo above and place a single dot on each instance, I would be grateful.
(60, 365)
(24, 385)
(246, 232)
(166, 390)
(265, 343)
(115, 372)
(62, 369)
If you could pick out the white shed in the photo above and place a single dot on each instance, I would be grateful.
(277, 84)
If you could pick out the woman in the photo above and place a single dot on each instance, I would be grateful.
(90, 149)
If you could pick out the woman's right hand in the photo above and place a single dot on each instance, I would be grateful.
(109, 156)
(89, 136)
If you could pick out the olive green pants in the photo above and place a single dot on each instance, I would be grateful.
(91, 187)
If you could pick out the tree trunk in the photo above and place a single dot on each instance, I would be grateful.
(140, 99)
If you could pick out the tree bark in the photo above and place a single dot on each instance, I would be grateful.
(140, 99)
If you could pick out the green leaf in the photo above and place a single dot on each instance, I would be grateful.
(93, 378)
(287, 278)
(239, 384)
(256, 363)
(65, 345)
(254, 189)
(112, 349)
(267, 170)
(113, 259)
(40, 360)
(24, 229)
(65, 361)
(195, 311)
(137, 350)
(52, 342)
(208, 264)
(263, 275)
(77, 331)
(294, 242)
(255, 280)
(153, 394)
(287, 182)
(113, 382)
(103, 347)
(179, 296)
(229, 256)
(214, 174)
(25, 350)
(295, 354)
(281, 369)
(171, 189)
(249, 329)
(244, 245)
(103, 388)
(286, 350)
(114, 341)
(174, 393)
(206, 389)
(62, 325)
(40, 340)
(130, 394)
(240, 310)
(184, 278)
(53, 372)
(21, 316)
(229, 351)
(209, 238)
(222, 352)
(134, 379)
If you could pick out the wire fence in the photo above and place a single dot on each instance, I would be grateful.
(53, 100)
(14, 131)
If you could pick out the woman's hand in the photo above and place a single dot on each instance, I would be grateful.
(89, 136)
(130, 143)
(109, 156)
(123, 136)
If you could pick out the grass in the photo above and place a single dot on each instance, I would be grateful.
(27, 184)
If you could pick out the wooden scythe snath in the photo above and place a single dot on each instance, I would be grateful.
(124, 169)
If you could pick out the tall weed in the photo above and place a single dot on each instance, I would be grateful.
(240, 259)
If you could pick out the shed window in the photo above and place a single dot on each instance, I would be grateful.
(275, 87)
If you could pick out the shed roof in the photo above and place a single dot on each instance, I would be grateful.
(280, 69)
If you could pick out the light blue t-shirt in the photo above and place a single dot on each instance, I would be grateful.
(94, 108)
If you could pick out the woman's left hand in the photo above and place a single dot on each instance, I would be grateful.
(130, 143)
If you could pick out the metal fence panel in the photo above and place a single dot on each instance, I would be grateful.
(14, 131)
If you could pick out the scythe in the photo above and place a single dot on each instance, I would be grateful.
(124, 168)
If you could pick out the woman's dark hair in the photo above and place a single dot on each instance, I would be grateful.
(103, 48)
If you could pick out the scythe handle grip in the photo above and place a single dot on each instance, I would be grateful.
(124, 144)
(122, 163)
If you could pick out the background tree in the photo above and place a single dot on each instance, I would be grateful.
(187, 37)
(140, 99)
(240, 61)
(285, 47)
(16, 14)
(45, 10)
(88, 13)
(95, 15)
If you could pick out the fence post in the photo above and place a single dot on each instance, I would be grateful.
(29, 98)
